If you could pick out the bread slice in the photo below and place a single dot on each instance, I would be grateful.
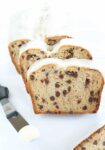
(96, 141)
(30, 56)
(14, 51)
(57, 89)
(51, 40)
(27, 58)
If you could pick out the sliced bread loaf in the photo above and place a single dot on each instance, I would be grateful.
(69, 89)
(30, 56)
(96, 141)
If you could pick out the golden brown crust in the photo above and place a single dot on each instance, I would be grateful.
(91, 136)
(60, 112)
(9, 48)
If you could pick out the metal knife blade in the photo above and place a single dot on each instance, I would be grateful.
(12, 115)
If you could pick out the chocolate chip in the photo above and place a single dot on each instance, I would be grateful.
(79, 101)
(28, 57)
(61, 76)
(46, 81)
(91, 93)
(36, 97)
(55, 103)
(51, 41)
(47, 74)
(98, 131)
(40, 106)
(84, 107)
(68, 81)
(38, 58)
(28, 68)
(64, 92)
(70, 51)
(19, 45)
(42, 52)
(98, 93)
(23, 56)
(43, 100)
(69, 89)
(72, 73)
(90, 99)
(12, 46)
(93, 99)
(57, 93)
(87, 81)
(42, 80)
(55, 71)
(78, 68)
(82, 49)
(12, 52)
(43, 70)
(32, 77)
(57, 106)
(52, 98)
(83, 148)
(95, 142)
(104, 143)
(57, 85)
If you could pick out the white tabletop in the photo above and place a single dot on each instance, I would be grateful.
(58, 132)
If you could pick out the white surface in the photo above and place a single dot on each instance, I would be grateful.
(58, 132)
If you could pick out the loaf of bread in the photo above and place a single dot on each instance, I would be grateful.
(96, 141)
(67, 89)
(30, 55)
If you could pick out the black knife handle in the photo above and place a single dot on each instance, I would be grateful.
(4, 92)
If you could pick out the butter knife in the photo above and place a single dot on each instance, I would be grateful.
(26, 132)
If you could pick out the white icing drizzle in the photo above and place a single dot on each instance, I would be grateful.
(37, 44)
(95, 64)
(71, 41)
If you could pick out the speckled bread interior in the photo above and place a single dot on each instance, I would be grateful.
(14, 51)
(65, 90)
(96, 141)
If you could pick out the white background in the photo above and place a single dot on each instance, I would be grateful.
(61, 132)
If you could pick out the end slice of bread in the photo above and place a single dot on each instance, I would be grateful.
(65, 90)
(14, 51)
(96, 141)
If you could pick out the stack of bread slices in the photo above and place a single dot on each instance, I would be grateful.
(54, 72)
(53, 77)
